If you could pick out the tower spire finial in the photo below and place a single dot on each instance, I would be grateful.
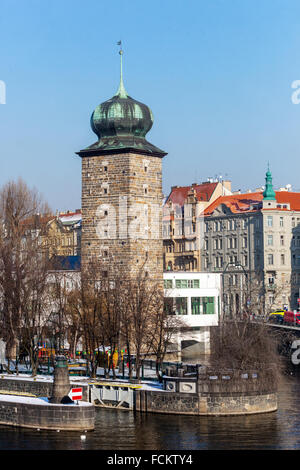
(121, 90)
(269, 193)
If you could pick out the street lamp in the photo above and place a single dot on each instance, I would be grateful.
(238, 265)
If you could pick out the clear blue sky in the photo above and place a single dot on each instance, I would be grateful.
(217, 75)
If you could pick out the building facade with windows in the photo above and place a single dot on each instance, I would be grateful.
(63, 236)
(181, 234)
(195, 298)
(253, 239)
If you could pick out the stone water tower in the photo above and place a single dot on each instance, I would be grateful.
(122, 189)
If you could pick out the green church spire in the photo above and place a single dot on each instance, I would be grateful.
(269, 193)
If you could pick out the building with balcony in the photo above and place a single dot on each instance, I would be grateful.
(181, 234)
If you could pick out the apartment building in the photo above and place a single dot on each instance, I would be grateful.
(253, 239)
(181, 233)
(63, 234)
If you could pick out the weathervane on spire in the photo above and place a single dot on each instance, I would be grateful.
(121, 91)
(120, 44)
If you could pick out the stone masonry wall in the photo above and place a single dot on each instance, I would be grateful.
(194, 404)
(121, 212)
(53, 417)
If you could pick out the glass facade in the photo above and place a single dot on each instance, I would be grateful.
(202, 305)
(168, 283)
(199, 305)
(188, 302)
(181, 305)
(187, 283)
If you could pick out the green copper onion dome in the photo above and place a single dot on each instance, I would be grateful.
(121, 116)
(121, 124)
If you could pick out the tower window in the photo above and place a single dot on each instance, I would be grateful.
(105, 190)
(105, 168)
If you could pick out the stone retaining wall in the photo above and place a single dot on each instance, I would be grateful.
(202, 395)
(51, 417)
(209, 392)
(195, 404)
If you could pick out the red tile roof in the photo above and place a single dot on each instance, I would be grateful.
(69, 214)
(239, 203)
(287, 197)
(203, 191)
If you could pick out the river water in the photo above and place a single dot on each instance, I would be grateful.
(126, 430)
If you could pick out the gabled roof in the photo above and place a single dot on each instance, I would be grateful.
(204, 192)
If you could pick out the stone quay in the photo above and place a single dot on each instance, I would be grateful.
(192, 390)
(210, 393)
(19, 406)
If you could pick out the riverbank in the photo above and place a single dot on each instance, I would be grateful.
(38, 413)
(201, 392)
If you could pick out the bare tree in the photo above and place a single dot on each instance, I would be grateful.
(143, 299)
(253, 296)
(36, 308)
(62, 282)
(243, 344)
(164, 329)
(91, 305)
(20, 226)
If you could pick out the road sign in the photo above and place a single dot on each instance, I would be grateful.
(76, 393)
(298, 300)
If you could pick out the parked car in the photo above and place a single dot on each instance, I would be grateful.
(277, 316)
(291, 318)
(278, 312)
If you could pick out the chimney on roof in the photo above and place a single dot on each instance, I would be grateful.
(226, 187)
(173, 187)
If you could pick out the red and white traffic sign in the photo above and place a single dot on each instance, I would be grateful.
(76, 393)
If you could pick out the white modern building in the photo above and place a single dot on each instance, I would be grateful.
(195, 298)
